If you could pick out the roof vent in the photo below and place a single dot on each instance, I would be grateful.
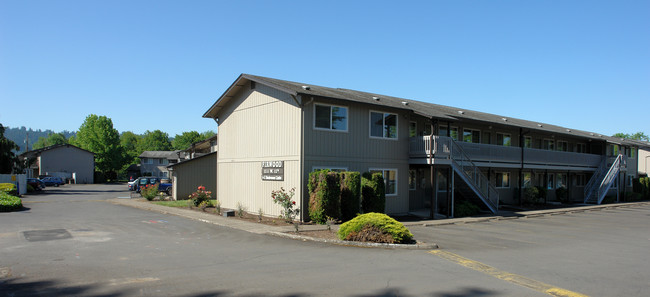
(592, 134)
(461, 112)
(306, 88)
(405, 103)
(504, 119)
(539, 125)
(375, 98)
(568, 130)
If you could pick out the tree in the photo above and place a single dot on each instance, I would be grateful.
(635, 136)
(52, 139)
(7, 156)
(97, 135)
(185, 140)
(129, 142)
(155, 141)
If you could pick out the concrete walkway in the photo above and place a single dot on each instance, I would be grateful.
(286, 231)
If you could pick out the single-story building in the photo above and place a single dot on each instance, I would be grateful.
(63, 160)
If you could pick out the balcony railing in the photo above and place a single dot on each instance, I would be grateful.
(420, 147)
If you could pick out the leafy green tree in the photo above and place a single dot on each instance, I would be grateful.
(97, 135)
(52, 139)
(635, 136)
(207, 134)
(7, 156)
(154, 141)
(185, 140)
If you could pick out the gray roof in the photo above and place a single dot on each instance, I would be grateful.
(171, 155)
(440, 112)
(52, 147)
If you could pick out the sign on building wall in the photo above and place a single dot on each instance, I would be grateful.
(273, 170)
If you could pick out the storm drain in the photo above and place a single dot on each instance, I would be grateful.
(45, 235)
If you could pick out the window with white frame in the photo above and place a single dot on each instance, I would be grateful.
(504, 139)
(528, 142)
(561, 181)
(548, 144)
(503, 180)
(471, 135)
(562, 146)
(581, 148)
(390, 179)
(330, 168)
(413, 129)
(330, 117)
(412, 179)
(383, 125)
(550, 181)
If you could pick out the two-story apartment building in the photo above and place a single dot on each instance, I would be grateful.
(154, 163)
(273, 133)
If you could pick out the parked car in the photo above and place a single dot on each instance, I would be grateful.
(131, 184)
(36, 183)
(162, 187)
(53, 181)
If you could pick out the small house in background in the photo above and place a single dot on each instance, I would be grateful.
(62, 160)
(198, 169)
(154, 163)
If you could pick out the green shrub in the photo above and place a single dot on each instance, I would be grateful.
(562, 195)
(30, 189)
(149, 191)
(9, 188)
(386, 224)
(350, 194)
(465, 209)
(373, 193)
(609, 199)
(324, 195)
(633, 197)
(645, 187)
(9, 202)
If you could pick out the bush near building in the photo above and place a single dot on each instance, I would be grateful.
(373, 193)
(350, 194)
(375, 227)
(9, 188)
(642, 186)
(324, 195)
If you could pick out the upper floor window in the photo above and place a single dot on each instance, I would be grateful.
(413, 129)
(471, 135)
(383, 125)
(528, 142)
(330, 117)
(504, 139)
(548, 144)
(147, 161)
(163, 162)
(581, 148)
(562, 146)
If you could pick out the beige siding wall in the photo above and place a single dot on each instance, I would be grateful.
(643, 161)
(192, 174)
(258, 125)
(71, 160)
(357, 151)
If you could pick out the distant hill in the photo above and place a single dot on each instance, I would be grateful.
(18, 135)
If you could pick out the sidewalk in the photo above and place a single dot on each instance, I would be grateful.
(285, 231)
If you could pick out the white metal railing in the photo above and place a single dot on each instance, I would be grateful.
(468, 171)
(600, 183)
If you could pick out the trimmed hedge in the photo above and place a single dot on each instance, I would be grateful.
(350, 194)
(324, 195)
(387, 225)
(642, 186)
(373, 193)
(9, 188)
(9, 202)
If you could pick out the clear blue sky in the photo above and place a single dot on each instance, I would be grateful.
(161, 64)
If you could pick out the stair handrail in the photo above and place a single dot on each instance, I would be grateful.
(609, 178)
(461, 160)
(595, 180)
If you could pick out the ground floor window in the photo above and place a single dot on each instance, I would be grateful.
(412, 179)
(528, 179)
(164, 174)
(550, 181)
(390, 179)
(503, 180)
(561, 180)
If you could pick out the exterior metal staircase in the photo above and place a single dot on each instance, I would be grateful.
(468, 172)
(603, 179)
